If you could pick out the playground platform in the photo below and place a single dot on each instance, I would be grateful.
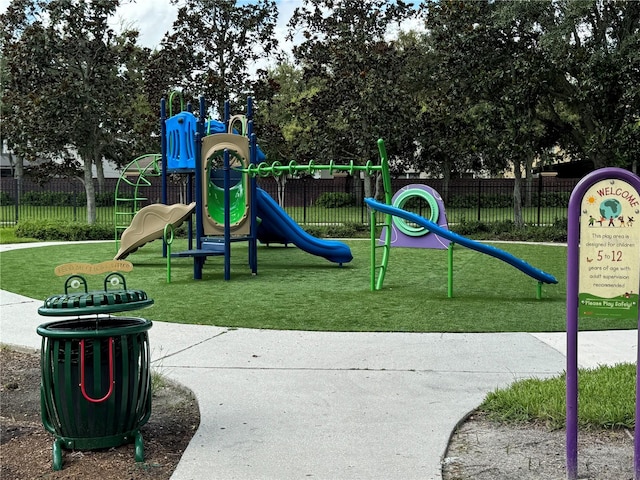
(326, 405)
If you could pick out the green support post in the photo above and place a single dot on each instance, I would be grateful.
(167, 236)
(450, 268)
(372, 224)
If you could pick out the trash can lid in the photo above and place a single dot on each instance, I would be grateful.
(90, 303)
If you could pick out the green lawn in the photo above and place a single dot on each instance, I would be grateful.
(8, 235)
(295, 290)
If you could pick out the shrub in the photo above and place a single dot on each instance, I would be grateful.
(508, 230)
(552, 199)
(105, 199)
(346, 230)
(335, 200)
(5, 199)
(557, 232)
(473, 228)
(71, 231)
(52, 199)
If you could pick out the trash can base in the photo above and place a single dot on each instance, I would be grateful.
(57, 454)
(96, 443)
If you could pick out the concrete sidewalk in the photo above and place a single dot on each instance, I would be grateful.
(289, 405)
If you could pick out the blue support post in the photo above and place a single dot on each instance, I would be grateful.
(190, 179)
(163, 147)
(189, 200)
(249, 108)
(253, 240)
(227, 219)
(197, 260)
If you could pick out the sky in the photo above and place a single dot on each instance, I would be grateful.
(153, 18)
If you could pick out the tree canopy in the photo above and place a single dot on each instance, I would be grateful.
(214, 43)
(71, 93)
(345, 54)
(480, 86)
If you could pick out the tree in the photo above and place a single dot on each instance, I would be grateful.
(213, 46)
(17, 163)
(71, 94)
(585, 58)
(284, 130)
(513, 124)
(347, 54)
(531, 75)
(571, 81)
(453, 56)
(594, 47)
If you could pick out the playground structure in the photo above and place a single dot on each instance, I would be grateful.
(221, 163)
(427, 233)
(203, 153)
(224, 164)
(453, 238)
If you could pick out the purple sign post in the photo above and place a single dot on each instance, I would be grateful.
(603, 275)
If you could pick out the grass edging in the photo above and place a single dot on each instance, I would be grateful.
(607, 399)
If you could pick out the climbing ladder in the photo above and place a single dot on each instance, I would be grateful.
(129, 197)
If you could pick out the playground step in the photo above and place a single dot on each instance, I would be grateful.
(209, 247)
(198, 253)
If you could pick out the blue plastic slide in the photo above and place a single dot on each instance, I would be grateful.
(464, 241)
(281, 226)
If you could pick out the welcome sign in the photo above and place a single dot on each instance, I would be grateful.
(609, 251)
(603, 276)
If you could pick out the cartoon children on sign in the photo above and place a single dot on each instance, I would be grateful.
(610, 212)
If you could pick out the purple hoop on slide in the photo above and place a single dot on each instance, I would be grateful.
(428, 240)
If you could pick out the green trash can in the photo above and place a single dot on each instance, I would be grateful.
(96, 382)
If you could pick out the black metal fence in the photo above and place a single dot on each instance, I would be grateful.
(307, 200)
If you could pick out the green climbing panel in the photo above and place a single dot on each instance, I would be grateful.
(130, 190)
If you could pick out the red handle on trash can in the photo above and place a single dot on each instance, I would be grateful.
(111, 382)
